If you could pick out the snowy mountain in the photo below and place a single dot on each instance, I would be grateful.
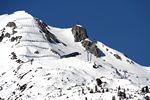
(41, 62)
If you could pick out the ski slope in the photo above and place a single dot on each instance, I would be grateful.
(41, 62)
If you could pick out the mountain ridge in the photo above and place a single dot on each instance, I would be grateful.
(43, 62)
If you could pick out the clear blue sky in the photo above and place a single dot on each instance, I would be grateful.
(121, 24)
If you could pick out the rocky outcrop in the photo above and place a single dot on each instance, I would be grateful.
(16, 38)
(117, 56)
(98, 81)
(95, 50)
(11, 24)
(79, 33)
(13, 56)
(86, 43)
(7, 35)
(1, 37)
(3, 34)
(92, 48)
(50, 37)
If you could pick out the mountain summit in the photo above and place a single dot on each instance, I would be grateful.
(41, 62)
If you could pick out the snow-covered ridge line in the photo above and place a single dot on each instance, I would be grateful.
(41, 62)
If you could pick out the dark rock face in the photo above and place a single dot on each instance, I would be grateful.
(92, 48)
(19, 61)
(7, 35)
(11, 24)
(99, 82)
(1, 37)
(13, 56)
(36, 52)
(50, 37)
(117, 56)
(2, 34)
(86, 44)
(23, 87)
(55, 52)
(15, 38)
(79, 33)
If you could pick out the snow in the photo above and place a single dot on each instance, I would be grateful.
(147, 68)
(45, 75)
(79, 25)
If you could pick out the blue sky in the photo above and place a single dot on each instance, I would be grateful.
(121, 24)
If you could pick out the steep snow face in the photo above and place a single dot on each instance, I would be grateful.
(41, 62)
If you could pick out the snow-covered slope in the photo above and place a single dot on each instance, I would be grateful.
(41, 62)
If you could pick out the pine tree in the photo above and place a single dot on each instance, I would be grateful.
(85, 98)
(119, 88)
(91, 91)
(147, 98)
(60, 92)
(143, 90)
(113, 98)
(96, 88)
(107, 90)
(103, 91)
(124, 94)
(83, 91)
(99, 82)
(146, 89)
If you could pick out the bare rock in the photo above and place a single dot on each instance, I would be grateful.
(98, 81)
(23, 87)
(86, 44)
(13, 56)
(19, 61)
(79, 33)
(1, 37)
(92, 48)
(11, 24)
(36, 52)
(117, 56)
(15, 38)
(44, 27)
(7, 35)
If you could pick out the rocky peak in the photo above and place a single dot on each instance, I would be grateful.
(79, 33)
